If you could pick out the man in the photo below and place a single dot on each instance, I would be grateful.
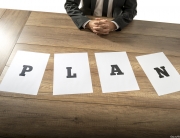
(123, 12)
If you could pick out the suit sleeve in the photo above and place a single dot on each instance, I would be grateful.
(128, 13)
(75, 13)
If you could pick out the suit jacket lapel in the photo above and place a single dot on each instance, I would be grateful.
(93, 4)
(115, 3)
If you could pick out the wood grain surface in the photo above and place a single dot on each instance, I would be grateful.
(11, 25)
(2, 11)
(136, 114)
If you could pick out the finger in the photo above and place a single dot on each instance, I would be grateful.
(95, 31)
(96, 23)
(98, 19)
(103, 22)
(97, 28)
(104, 26)
(102, 32)
(105, 31)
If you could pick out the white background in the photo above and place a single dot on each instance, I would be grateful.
(151, 10)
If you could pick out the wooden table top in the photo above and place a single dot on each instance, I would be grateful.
(136, 114)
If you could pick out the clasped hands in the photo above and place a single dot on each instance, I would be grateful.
(101, 26)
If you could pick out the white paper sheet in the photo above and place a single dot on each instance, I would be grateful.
(78, 62)
(28, 84)
(166, 84)
(115, 83)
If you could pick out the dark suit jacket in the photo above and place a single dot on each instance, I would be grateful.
(123, 11)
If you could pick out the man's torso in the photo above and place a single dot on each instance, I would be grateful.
(90, 6)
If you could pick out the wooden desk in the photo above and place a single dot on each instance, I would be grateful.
(137, 114)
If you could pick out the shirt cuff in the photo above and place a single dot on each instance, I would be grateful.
(84, 25)
(117, 26)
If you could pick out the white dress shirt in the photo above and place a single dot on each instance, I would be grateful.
(99, 8)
